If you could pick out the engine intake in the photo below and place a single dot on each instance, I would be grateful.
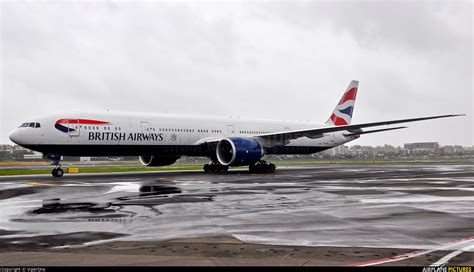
(158, 160)
(237, 151)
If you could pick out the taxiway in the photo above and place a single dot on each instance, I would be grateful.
(324, 215)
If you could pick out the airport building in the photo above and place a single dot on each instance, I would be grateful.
(5, 147)
(33, 156)
(422, 148)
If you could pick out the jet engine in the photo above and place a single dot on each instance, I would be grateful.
(158, 160)
(238, 151)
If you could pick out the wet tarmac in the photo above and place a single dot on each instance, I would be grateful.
(398, 208)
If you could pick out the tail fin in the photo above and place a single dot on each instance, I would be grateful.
(342, 114)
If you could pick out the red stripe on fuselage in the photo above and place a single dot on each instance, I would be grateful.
(349, 95)
(81, 121)
(338, 121)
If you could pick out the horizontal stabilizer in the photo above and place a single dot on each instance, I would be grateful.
(372, 131)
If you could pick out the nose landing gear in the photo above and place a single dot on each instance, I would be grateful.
(56, 161)
(57, 171)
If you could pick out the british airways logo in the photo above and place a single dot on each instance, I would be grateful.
(68, 125)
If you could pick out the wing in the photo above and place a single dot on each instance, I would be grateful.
(314, 133)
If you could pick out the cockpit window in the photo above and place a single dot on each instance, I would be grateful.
(37, 125)
(32, 125)
(24, 125)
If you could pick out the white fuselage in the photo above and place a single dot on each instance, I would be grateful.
(134, 134)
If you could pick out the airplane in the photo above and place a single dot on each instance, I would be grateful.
(161, 139)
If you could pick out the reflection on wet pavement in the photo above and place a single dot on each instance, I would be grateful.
(55, 206)
(150, 190)
(365, 206)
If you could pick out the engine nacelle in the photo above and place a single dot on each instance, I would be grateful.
(158, 160)
(238, 151)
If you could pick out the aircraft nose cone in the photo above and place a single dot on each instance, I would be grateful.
(15, 136)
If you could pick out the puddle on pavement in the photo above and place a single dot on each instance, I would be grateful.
(147, 195)
(55, 206)
(150, 190)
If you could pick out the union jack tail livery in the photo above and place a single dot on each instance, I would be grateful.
(342, 114)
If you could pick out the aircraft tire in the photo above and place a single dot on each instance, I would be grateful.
(59, 172)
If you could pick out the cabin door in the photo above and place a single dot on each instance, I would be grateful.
(74, 128)
(231, 129)
(145, 128)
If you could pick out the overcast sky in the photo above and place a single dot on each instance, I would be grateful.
(266, 60)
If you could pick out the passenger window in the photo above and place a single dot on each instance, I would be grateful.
(38, 125)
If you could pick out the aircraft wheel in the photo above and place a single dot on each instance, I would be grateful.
(252, 168)
(267, 168)
(57, 172)
(223, 168)
(215, 168)
(262, 167)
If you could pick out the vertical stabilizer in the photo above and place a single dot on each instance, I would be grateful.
(342, 114)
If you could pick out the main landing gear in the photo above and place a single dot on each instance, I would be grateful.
(215, 167)
(262, 167)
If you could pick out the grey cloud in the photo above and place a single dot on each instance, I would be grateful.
(257, 60)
